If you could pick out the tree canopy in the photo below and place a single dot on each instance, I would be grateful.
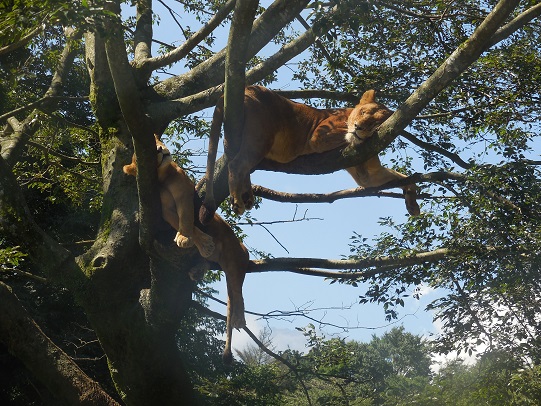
(85, 257)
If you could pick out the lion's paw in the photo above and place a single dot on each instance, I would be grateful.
(237, 207)
(411, 202)
(248, 200)
(183, 241)
(238, 320)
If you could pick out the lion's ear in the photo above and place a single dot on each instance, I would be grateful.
(368, 97)
(130, 169)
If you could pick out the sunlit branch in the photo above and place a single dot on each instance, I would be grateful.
(372, 266)
(166, 111)
(139, 125)
(466, 54)
(211, 71)
(315, 266)
(517, 23)
(142, 39)
(277, 196)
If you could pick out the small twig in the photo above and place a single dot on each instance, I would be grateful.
(301, 312)
(275, 239)
(431, 147)
(260, 223)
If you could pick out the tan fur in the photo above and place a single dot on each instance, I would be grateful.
(217, 242)
(281, 130)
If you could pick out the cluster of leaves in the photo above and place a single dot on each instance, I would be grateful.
(394, 369)
(489, 281)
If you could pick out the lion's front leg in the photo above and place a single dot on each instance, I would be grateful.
(239, 181)
(171, 216)
(173, 211)
(183, 241)
(373, 174)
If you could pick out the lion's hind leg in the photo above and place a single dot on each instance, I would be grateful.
(204, 243)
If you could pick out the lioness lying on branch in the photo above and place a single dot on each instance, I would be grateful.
(281, 130)
(215, 240)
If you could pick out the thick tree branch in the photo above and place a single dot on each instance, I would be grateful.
(465, 55)
(285, 197)
(306, 265)
(142, 41)
(211, 72)
(164, 112)
(235, 64)
(516, 24)
(142, 38)
(49, 364)
(140, 127)
(371, 266)
(432, 177)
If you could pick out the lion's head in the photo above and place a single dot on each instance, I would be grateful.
(365, 118)
(162, 154)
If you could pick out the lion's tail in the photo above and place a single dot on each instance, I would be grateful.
(227, 356)
(206, 212)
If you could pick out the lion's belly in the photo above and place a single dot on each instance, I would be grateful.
(286, 147)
